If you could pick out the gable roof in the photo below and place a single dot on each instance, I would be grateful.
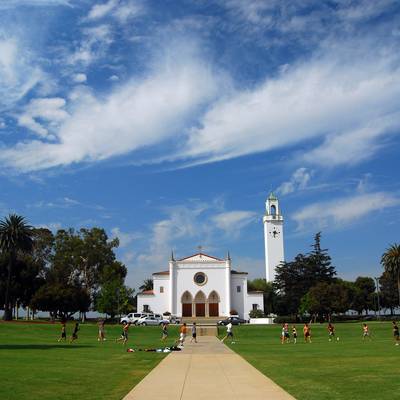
(202, 256)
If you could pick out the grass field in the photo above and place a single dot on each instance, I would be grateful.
(347, 369)
(34, 366)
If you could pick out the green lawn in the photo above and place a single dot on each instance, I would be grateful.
(347, 369)
(34, 366)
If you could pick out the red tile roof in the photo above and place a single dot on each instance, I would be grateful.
(161, 273)
(147, 292)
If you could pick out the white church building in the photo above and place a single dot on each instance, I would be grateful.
(206, 286)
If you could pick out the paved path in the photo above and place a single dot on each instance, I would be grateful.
(206, 370)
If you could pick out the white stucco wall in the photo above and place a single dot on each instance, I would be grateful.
(184, 274)
(180, 277)
(254, 298)
(239, 298)
(158, 302)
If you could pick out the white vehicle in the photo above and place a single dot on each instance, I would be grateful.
(155, 319)
(133, 318)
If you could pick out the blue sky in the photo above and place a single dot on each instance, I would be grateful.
(168, 123)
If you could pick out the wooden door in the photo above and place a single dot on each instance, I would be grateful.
(200, 310)
(186, 309)
(213, 310)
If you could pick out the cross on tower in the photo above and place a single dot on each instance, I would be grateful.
(200, 248)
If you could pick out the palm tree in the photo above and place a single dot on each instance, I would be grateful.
(391, 263)
(147, 285)
(15, 237)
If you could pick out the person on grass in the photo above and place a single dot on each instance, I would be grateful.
(194, 333)
(164, 332)
(366, 333)
(307, 333)
(294, 334)
(124, 334)
(396, 333)
(331, 332)
(75, 332)
(229, 333)
(63, 332)
(285, 337)
(102, 336)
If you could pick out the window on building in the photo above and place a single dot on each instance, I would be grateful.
(161, 289)
(146, 308)
(255, 306)
(238, 288)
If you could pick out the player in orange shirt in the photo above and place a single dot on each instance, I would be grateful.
(307, 333)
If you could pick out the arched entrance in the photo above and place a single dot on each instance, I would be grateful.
(187, 300)
(200, 304)
(213, 304)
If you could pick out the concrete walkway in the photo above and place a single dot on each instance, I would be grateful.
(206, 370)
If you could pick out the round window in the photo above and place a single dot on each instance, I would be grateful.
(200, 278)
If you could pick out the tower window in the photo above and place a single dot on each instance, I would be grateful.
(238, 288)
(255, 306)
(161, 289)
(273, 210)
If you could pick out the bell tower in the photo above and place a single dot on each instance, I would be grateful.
(273, 236)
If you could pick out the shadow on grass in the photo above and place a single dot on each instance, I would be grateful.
(41, 346)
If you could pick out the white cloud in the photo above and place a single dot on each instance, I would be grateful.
(52, 226)
(232, 222)
(79, 78)
(354, 146)
(137, 114)
(6, 4)
(343, 211)
(119, 9)
(298, 181)
(329, 94)
(49, 110)
(125, 238)
(102, 9)
(94, 45)
(2, 123)
(114, 78)
(18, 74)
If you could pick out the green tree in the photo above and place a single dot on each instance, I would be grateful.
(324, 299)
(61, 300)
(15, 239)
(146, 285)
(389, 296)
(294, 279)
(363, 296)
(391, 263)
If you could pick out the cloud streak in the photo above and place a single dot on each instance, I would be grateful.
(342, 211)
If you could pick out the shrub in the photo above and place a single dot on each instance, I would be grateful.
(256, 314)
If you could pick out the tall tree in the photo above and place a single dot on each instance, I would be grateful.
(363, 297)
(391, 263)
(15, 238)
(389, 296)
(294, 279)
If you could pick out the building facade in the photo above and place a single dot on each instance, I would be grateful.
(200, 286)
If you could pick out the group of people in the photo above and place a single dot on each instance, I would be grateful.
(63, 336)
(285, 335)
